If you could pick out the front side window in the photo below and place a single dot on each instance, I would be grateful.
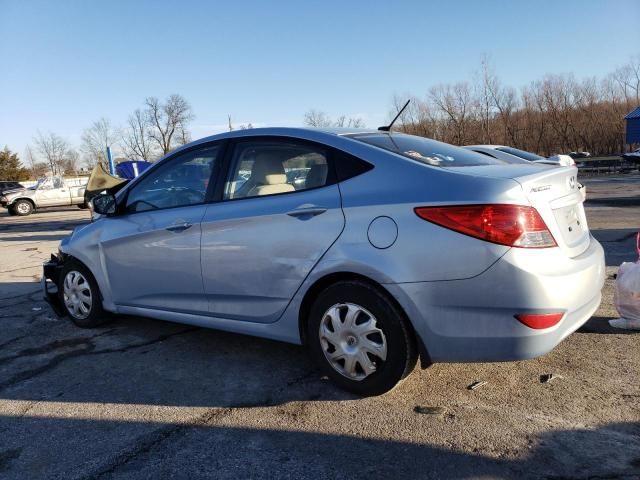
(271, 167)
(181, 182)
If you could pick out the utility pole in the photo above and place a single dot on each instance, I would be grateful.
(112, 168)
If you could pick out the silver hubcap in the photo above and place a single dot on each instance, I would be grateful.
(23, 207)
(351, 341)
(77, 294)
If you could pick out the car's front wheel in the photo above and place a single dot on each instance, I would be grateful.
(23, 207)
(80, 296)
(360, 338)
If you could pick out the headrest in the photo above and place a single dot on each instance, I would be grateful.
(266, 163)
(276, 179)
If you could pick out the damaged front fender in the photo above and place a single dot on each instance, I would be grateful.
(51, 283)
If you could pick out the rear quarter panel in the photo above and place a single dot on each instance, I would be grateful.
(422, 251)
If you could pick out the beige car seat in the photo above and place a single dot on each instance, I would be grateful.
(268, 176)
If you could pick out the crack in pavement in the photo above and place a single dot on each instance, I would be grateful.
(88, 349)
(22, 302)
(21, 268)
(13, 340)
(49, 347)
(146, 443)
(18, 296)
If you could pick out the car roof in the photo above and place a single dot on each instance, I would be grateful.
(311, 133)
(249, 132)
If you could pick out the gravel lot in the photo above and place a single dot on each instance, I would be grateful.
(147, 399)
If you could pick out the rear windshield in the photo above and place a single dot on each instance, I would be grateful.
(427, 151)
(520, 153)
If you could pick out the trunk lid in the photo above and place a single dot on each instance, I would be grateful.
(554, 192)
(556, 196)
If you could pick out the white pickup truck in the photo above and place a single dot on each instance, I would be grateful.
(47, 192)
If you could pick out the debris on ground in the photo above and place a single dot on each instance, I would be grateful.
(476, 385)
(627, 294)
(625, 323)
(30, 249)
(428, 410)
(547, 377)
(36, 309)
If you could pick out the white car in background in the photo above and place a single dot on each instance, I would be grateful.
(632, 156)
(515, 155)
(52, 191)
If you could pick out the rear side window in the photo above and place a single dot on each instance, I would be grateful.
(348, 166)
(260, 168)
(427, 151)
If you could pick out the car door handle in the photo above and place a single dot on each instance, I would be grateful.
(307, 210)
(180, 227)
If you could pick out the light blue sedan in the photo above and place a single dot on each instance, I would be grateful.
(392, 247)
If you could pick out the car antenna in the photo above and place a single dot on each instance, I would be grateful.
(388, 127)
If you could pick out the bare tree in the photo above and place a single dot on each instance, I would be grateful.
(555, 114)
(319, 119)
(135, 138)
(40, 169)
(349, 122)
(166, 119)
(417, 119)
(316, 118)
(627, 79)
(183, 136)
(95, 140)
(454, 102)
(71, 161)
(53, 148)
(29, 157)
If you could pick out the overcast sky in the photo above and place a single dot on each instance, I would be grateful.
(67, 63)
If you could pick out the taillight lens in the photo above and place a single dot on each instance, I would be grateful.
(512, 225)
(539, 320)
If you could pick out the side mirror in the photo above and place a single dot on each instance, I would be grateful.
(104, 204)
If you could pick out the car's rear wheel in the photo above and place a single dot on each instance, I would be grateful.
(80, 296)
(23, 207)
(360, 338)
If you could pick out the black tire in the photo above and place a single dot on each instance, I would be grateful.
(23, 208)
(96, 315)
(83, 206)
(11, 211)
(401, 351)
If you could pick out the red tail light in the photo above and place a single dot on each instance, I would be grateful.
(512, 225)
(539, 320)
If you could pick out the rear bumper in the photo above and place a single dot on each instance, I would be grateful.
(51, 273)
(473, 320)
